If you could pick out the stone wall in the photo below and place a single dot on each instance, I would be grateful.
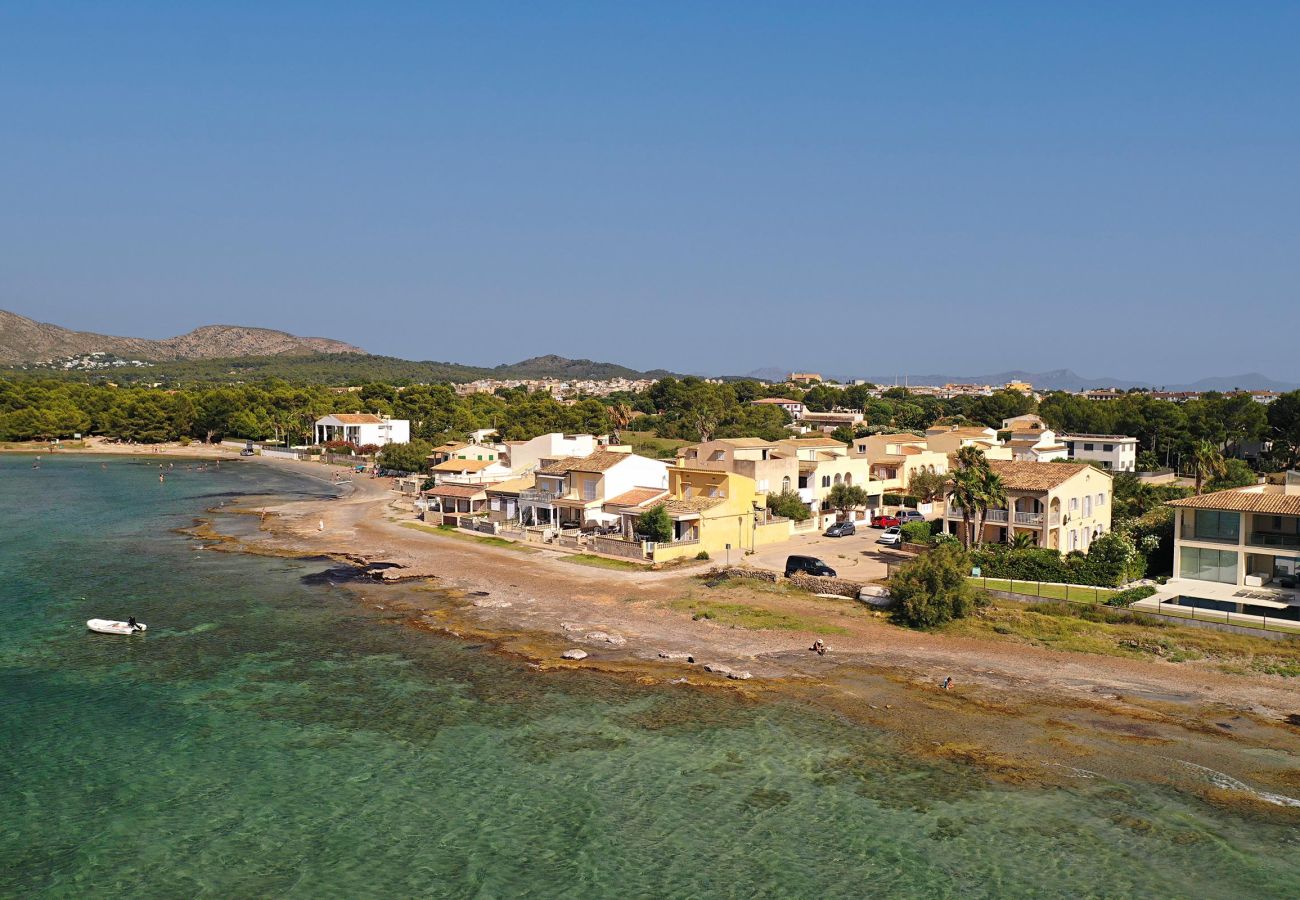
(818, 584)
(741, 572)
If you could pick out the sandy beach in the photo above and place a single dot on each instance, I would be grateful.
(1022, 711)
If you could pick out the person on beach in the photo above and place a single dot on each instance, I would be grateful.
(947, 683)
(819, 647)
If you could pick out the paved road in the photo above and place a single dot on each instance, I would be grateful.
(856, 557)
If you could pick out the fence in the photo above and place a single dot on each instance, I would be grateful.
(1047, 590)
(1166, 607)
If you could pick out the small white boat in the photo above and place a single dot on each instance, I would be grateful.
(108, 626)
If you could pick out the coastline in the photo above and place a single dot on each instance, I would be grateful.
(1022, 713)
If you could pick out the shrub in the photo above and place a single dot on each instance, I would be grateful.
(409, 457)
(655, 524)
(788, 505)
(703, 554)
(892, 499)
(1110, 561)
(933, 588)
(917, 532)
(185, 440)
(1132, 595)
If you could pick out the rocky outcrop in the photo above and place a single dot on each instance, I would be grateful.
(24, 340)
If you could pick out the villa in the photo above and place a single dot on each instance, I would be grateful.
(1063, 505)
(362, 429)
(1115, 452)
(572, 492)
(1238, 550)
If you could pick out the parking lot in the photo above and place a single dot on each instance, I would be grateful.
(856, 557)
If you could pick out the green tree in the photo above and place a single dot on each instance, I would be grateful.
(1284, 429)
(1236, 473)
(846, 497)
(933, 588)
(1207, 464)
(926, 486)
(655, 525)
(408, 457)
(788, 504)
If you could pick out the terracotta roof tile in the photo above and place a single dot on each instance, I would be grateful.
(463, 465)
(636, 497)
(356, 418)
(1245, 500)
(463, 491)
(1037, 476)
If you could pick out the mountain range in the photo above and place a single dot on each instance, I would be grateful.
(1062, 380)
(244, 351)
(24, 340)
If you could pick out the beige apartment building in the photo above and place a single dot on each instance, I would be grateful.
(895, 458)
(771, 470)
(824, 462)
(1063, 505)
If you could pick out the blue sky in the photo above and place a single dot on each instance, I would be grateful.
(856, 188)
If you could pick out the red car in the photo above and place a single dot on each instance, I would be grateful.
(884, 521)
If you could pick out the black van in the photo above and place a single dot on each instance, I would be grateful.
(809, 565)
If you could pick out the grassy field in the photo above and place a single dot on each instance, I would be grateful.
(645, 443)
(1111, 632)
(601, 562)
(1077, 593)
(742, 615)
(449, 531)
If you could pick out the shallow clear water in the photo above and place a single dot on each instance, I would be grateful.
(268, 737)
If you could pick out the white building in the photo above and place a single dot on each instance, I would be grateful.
(1115, 452)
(523, 456)
(572, 491)
(362, 429)
(795, 408)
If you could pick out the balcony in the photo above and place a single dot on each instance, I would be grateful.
(533, 495)
(1278, 541)
(1001, 516)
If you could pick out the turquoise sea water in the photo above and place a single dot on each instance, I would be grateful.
(268, 737)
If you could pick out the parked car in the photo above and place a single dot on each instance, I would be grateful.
(247, 452)
(908, 515)
(884, 521)
(808, 565)
(840, 529)
(892, 535)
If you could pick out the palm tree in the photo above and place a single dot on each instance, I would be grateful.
(975, 488)
(991, 493)
(1023, 540)
(620, 415)
(1207, 464)
(965, 490)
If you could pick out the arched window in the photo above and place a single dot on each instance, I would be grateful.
(785, 483)
(848, 478)
(837, 478)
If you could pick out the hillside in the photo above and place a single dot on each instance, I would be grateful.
(24, 340)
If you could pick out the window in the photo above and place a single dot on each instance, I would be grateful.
(838, 479)
(826, 481)
(1109, 448)
(1101, 499)
(762, 485)
(1074, 504)
(1216, 525)
(1087, 446)
(785, 483)
(588, 489)
(1087, 506)
(1208, 565)
(1074, 539)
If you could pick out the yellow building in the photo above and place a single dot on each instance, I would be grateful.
(825, 462)
(710, 509)
(895, 458)
(1063, 505)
